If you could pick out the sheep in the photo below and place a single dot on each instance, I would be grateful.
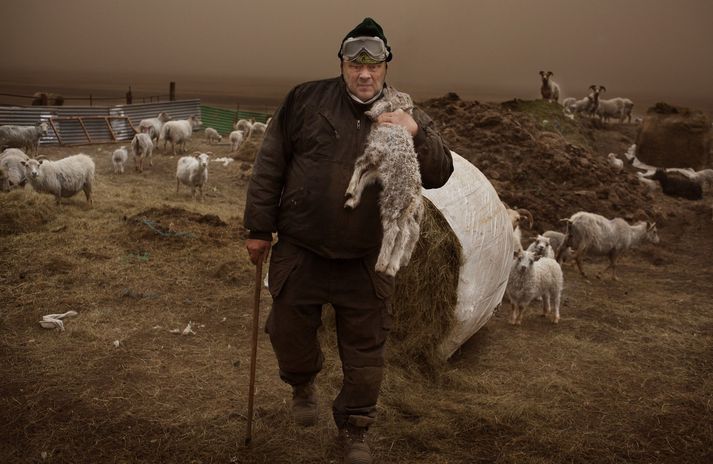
(626, 109)
(678, 186)
(589, 233)
(612, 108)
(153, 126)
(118, 158)
(651, 185)
(236, 139)
(390, 158)
(518, 217)
(549, 89)
(583, 105)
(63, 178)
(12, 172)
(534, 277)
(24, 137)
(541, 247)
(703, 177)
(193, 172)
(243, 125)
(258, 128)
(212, 135)
(141, 147)
(179, 132)
(615, 163)
(556, 242)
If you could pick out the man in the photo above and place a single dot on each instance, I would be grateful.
(326, 253)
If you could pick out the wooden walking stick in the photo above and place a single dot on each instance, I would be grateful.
(253, 353)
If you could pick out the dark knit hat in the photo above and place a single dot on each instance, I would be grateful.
(367, 28)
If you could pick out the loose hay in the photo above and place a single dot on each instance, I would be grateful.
(22, 212)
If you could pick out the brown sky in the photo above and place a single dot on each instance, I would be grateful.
(659, 48)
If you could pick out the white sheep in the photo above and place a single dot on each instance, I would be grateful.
(24, 137)
(12, 171)
(556, 241)
(118, 159)
(212, 135)
(549, 89)
(534, 277)
(193, 172)
(258, 128)
(245, 126)
(153, 126)
(63, 178)
(612, 108)
(615, 163)
(541, 247)
(589, 233)
(236, 139)
(390, 158)
(141, 147)
(179, 132)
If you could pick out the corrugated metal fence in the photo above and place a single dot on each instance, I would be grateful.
(94, 129)
(222, 120)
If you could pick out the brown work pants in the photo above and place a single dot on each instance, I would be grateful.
(301, 282)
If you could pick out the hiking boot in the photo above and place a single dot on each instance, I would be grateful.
(304, 405)
(356, 450)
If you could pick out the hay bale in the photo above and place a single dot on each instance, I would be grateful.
(674, 137)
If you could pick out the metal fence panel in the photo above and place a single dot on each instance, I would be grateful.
(222, 120)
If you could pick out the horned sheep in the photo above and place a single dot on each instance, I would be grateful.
(23, 137)
(12, 172)
(141, 147)
(179, 132)
(390, 158)
(62, 178)
(589, 233)
(549, 89)
(193, 172)
(534, 277)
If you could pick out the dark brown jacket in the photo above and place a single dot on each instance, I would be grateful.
(304, 165)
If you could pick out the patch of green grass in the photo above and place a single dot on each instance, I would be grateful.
(550, 117)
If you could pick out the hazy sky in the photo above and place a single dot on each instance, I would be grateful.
(474, 47)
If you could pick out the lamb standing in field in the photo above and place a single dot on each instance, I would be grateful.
(193, 172)
(63, 178)
(212, 135)
(179, 132)
(589, 233)
(236, 139)
(118, 159)
(533, 277)
(390, 158)
(23, 137)
(141, 147)
(153, 126)
(12, 171)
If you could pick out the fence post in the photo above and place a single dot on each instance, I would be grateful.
(129, 97)
(172, 91)
(90, 100)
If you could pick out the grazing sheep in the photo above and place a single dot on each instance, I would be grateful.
(589, 233)
(179, 132)
(534, 277)
(615, 163)
(63, 178)
(390, 158)
(549, 89)
(141, 147)
(678, 186)
(12, 171)
(23, 137)
(153, 126)
(541, 247)
(118, 159)
(236, 139)
(245, 126)
(212, 135)
(193, 172)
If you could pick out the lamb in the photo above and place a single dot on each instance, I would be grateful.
(615, 163)
(212, 135)
(390, 158)
(179, 132)
(556, 241)
(245, 126)
(534, 277)
(541, 247)
(193, 172)
(63, 178)
(678, 186)
(118, 159)
(23, 137)
(258, 128)
(153, 126)
(236, 139)
(549, 89)
(141, 147)
(12, 172)
(589, 233)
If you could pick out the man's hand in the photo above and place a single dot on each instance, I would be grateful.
(257, 249)
(401, 118)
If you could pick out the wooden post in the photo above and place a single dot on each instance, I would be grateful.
(172, 91)
(90, 99)
(129, 97)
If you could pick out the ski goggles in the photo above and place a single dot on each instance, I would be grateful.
(365, 50)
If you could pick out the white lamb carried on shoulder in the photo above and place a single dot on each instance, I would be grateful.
(390, 158)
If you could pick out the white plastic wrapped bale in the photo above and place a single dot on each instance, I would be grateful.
(459, 270)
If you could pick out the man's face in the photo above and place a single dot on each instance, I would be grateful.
(364, 80)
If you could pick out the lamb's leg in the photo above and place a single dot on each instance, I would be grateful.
(556, 302)
(88, 193)
(391, 231)
(545, 304)
(397, 252)
(364, 179)
(521, 314)
(513, 313)
(150, 152)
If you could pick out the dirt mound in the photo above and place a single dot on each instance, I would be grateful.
(536, 158)
(180, 224)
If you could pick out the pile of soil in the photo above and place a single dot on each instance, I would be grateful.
(538, 159)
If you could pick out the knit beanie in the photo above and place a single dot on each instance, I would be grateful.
(367, 28)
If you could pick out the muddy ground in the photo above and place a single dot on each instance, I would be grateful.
(625, 377)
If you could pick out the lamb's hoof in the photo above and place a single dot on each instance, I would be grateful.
(349, 204)
(555, 320)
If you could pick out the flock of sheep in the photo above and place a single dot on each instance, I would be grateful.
(68, 176)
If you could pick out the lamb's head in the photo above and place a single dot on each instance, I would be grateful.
(541, 245)
(43, 127)
(652, 235)
(203, 159)
(524, 260)
(163, 117)
(391, 100)
(32, 168)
